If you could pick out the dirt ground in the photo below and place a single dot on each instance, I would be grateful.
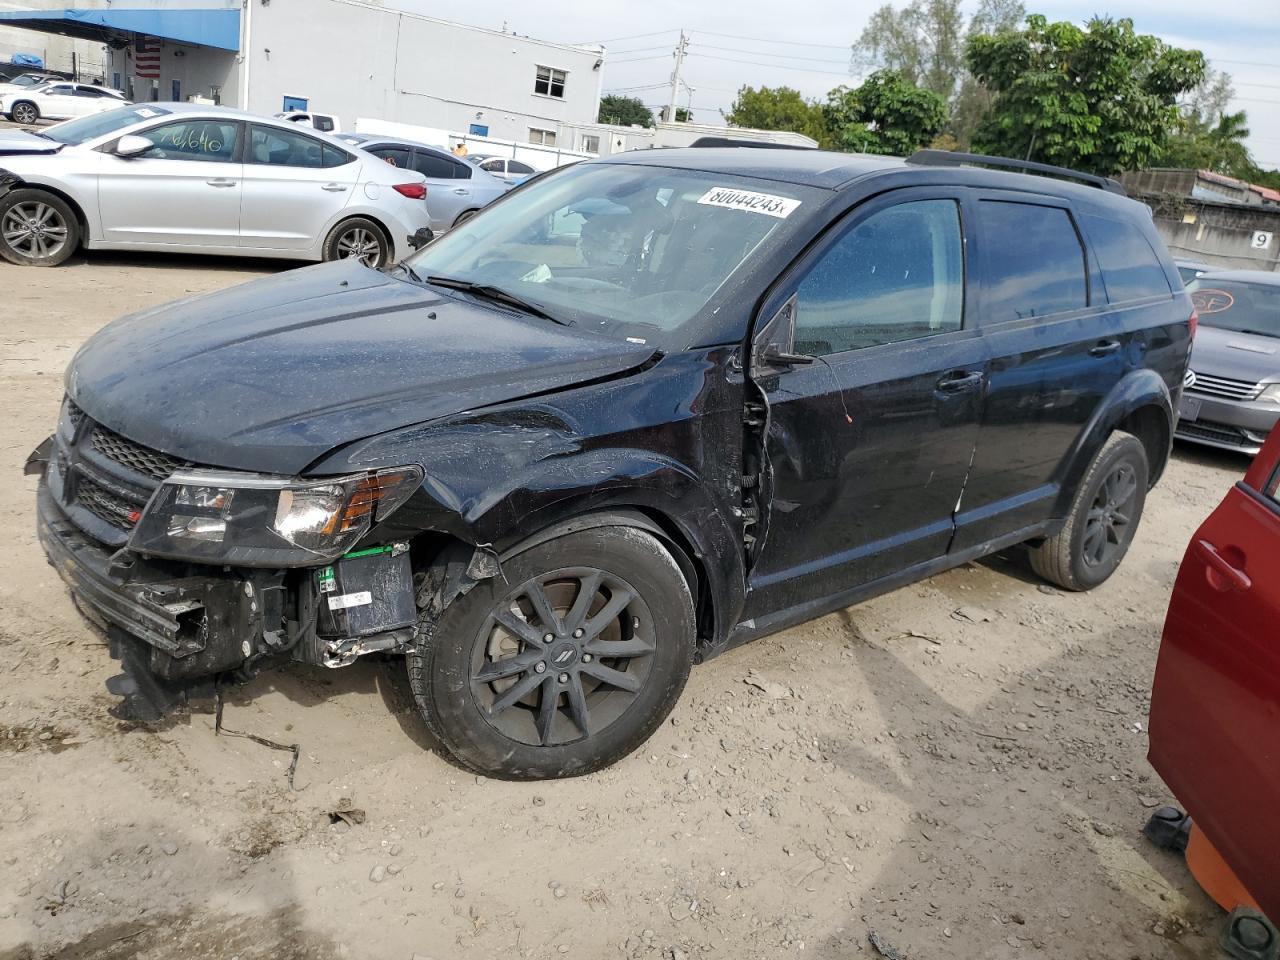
(961, 789)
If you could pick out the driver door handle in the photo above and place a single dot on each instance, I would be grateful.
(958, 381)
(1236, 579)
(334, 188)
(221, 182)
(1104, 348)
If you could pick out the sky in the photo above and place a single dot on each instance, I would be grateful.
(806, 44)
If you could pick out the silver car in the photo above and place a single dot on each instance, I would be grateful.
(456, 189)
(1231, 398)
(179, 177)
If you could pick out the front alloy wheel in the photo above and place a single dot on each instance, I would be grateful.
(25, 113)
(563, 664)
(37, 228)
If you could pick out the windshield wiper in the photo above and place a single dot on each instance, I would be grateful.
(497, 295)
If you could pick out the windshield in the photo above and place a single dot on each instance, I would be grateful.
(1232, 305)
(633, 251)
(74, 132)
(29, 80)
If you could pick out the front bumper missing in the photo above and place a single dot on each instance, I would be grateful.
(194, 625)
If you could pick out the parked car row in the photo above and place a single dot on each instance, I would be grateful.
(58, 101)
(180, 177)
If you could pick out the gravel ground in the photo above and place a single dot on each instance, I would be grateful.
(961, 785)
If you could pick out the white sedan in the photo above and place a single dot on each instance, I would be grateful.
(175, 177)
(58, 101)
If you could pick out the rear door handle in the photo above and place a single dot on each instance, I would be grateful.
(1236, 579)
(958, 381)
(462, 191)
(1104, 348)
(221, 182)
(334, 188)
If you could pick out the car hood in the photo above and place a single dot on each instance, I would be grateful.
(1236, 356)
(271, 375)
(19, 141)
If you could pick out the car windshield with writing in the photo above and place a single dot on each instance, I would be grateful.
(636, 252)
(1237, 305)
(83, 129)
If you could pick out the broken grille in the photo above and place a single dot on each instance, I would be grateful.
(139, 459)
(105, 505)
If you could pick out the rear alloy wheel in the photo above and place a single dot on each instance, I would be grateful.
(24, 112)
(1103, 521)
(37, 229)
(566, 666)
(359, 239)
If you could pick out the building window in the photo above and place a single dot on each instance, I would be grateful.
(590, 143)
(545, 137)
(550, 82)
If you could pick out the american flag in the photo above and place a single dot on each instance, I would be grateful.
(146, 58)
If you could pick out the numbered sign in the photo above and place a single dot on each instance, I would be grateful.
(1262, 240)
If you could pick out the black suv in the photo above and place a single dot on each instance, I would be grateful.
(640, 410)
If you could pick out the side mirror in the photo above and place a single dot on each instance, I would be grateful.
(132, 146)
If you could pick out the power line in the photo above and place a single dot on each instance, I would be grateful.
(627, 53)
(774, 66)
(634, 36)
(794, 43)
(657, 56)
(759, 53)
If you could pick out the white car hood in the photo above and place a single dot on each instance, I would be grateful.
(19, 142)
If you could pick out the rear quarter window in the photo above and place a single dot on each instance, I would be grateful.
(1035, 262)
(1131, 269)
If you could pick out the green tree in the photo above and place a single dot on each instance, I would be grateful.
(1209, 138)
(777, 108)
(887, 114)
(1102, 99)
(626, 111)
(973, 102)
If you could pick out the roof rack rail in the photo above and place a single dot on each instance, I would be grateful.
(948, 158)
(734, 142)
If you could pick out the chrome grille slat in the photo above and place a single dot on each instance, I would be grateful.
(1243, 390)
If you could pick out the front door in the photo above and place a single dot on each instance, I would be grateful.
(1215, 705)
(294, 185)
(185, 190)
(59, 103)
(869, 445)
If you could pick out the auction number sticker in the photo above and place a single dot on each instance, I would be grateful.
(734, 199)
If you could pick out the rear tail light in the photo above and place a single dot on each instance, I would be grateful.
(1194, 322)
(414, 191)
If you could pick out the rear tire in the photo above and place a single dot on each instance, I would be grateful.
(24, 112)
(37, 228)
(1103, 521)
(508, 703)
(359, 239)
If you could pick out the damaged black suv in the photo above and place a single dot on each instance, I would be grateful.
(640, 410)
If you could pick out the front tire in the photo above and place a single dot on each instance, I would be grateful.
(1103, 520)
(24, 112)
(37, 229)
(565, 663)
(359, 239)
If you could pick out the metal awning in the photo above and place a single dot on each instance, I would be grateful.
(216, 25)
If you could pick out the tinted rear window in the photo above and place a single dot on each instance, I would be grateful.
(1130, 268)
(1035, 263)
(1243, 307)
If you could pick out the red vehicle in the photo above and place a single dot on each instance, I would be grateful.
(1215, 706)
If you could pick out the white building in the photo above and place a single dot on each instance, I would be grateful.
(345, 57)
(63, 54)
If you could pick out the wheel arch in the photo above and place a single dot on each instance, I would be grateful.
(1140, 404)
(10, 182)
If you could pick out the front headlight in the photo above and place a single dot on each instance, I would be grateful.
(260, 521)
(1270, 395)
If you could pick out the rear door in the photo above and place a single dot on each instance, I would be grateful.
(1215, 705)
(294, 185)
(448, 186)
(185, 190)
(870, 444)
(1056, 351)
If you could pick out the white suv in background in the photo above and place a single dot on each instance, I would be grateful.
(59, 101)
(176, 177)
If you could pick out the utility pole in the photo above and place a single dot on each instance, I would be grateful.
(681, 47)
